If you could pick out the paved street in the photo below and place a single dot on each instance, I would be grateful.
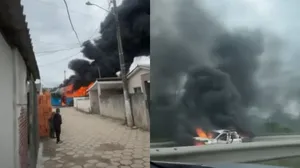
(90, 141)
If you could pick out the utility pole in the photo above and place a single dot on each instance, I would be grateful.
(65, 77)
(99, 74)
(128, 109)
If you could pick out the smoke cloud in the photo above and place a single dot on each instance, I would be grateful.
(217, 66)
(134, 18)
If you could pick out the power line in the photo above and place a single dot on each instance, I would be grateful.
(57, 6)
(96, 31)
(67, 8)
(38, 42)
(60, 60)
(109, 3)
(54, 51)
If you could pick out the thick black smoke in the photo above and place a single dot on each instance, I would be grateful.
(218, 68)
(238, 53)
(134, 18)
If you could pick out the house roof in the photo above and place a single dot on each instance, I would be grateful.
(138, 68)
(14, 28)
(113, 84)
(116, 82)
(109, 79)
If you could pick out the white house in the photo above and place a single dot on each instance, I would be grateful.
(106, 96)
(18, 67)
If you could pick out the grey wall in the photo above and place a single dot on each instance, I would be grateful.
(112, 104)
(7, 115)
(94, 103)
(14, 98)
(140, 112)
(82, 104)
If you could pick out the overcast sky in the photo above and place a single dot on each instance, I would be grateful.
(50, 31)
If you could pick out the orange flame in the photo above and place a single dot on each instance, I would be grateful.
(81, 92)
(202, 134)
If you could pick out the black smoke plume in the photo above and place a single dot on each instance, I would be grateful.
(202, 74)
(134, 18)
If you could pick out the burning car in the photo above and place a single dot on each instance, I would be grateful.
(217, 137)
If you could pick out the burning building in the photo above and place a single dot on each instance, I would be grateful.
(134, 18)
(64, 96)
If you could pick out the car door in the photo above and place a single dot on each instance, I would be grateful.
(235, 138)
(222, 139)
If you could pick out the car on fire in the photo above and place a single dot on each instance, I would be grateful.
(219, 137)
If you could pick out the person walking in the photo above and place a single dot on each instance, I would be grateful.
(51, 125)
(57, 121)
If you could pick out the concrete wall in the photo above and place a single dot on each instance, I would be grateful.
(7, 117)
(112, 104)
(21, 108)
(140, 112)
(94, 102)
(13, 116)
(136, 80)
(82, 104)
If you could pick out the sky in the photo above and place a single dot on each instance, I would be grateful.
(50, 31)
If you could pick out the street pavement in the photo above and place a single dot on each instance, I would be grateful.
(90, 141)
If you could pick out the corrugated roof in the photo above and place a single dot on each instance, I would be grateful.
(14, 28)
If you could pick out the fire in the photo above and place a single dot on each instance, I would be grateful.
(68, 91)
(202, 134)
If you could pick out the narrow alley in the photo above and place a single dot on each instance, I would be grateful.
(90, 141)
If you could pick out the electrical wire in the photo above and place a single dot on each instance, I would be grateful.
(109, 3)
(69, 17)
(39, 42)
(96, 31)
(58, 6)
(54, 51)
(60, 60)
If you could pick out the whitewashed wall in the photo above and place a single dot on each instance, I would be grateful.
(13, 98)
(7, 148)
(83, 104)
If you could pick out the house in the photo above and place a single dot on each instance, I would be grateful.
(138, 79)
(106, 96)
(18, 71)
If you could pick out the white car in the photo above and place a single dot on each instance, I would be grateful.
(220, 137)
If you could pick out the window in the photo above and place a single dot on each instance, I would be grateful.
(234, 135)
(223, 137)
(215, 134)
(137, 90)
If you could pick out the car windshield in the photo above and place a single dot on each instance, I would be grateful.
(214, 134)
